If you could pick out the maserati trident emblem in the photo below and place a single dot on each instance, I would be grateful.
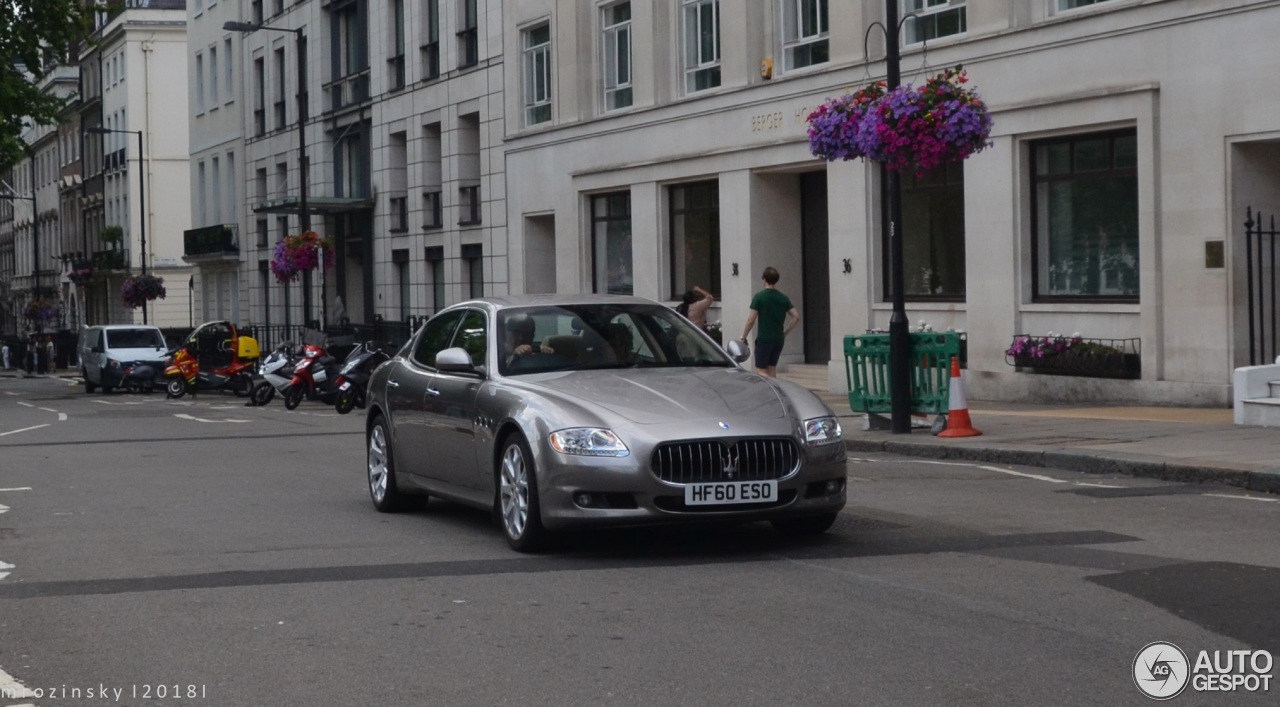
(730, 466)
(724, 425)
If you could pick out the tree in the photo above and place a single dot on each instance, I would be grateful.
(35, 35)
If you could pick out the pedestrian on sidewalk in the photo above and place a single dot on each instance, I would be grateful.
(694, 305)
(50, 362)
(33, 355)
(4, 353)
(777, 317)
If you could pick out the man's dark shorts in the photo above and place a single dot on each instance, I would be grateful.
(768, 353)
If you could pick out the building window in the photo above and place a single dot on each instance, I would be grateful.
(804, 25)
(431, 34)
(468, 38)
(1073, 4)
(933, 245)
(400, 260)
(282, 227)
(396, 61)
(349, 54)
(256, 11)
(228, 67)
(399, 214)
(701, 45)
(934, 19)
(611, 244)
(263, 235)
(281, 116)
(432, 210)
(1085, 217)
(469, 205)
(435, 273)
(473, 259)
(351, 166)
(260, 97)
(695, 237)
(617, 56)
(199, 84)
(213, 78)
(537, 75)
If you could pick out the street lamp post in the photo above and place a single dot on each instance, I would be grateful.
(142, 197)
(304, 214)
(899, 335)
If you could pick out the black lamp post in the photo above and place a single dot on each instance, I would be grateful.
(304, 215)
(899, 333)
(142, 196)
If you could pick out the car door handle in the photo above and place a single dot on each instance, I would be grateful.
(433, 392)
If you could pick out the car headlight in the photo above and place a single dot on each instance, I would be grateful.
(113, 363)
(588, 441)
(822, 430)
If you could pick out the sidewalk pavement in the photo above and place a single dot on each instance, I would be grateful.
(1176, 444)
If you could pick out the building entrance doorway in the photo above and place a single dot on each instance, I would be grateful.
(815, 251)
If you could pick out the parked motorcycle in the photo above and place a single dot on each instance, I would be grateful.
(140, 377)
(276, 373)
(353, 378)
(313, 377)
(183, 376)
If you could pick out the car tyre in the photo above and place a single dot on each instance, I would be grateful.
(175, 388)
(293, 397)
(805, 527)
(520, 513)
(262, 393)
(383, 489)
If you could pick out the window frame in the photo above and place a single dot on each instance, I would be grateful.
(697, 66)
(600, 276)
(907, 187)
(1111, 172)
(931, 11)
(468, 34)
(536, 67)
(675, 254)
(795, 41)
(618, 91)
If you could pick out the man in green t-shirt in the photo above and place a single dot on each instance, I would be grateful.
(777, 318)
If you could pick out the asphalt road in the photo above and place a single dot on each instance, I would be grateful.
(232, 555)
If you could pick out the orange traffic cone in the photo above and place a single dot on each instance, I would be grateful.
(958, 424)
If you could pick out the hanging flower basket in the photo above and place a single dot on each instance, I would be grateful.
(1076, 356)
(299, 253)
(140, 289)
(42, 310)
(906, 129)
(81, 274)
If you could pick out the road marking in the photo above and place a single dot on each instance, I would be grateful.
(1243, 498)
(12, 689)
(4, 566)
(18, 488)
(201, 419)
(997, 469)
(24, 429)
(112, 402)
(29, 405)
(4, 509)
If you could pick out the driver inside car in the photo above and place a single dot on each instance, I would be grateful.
(520, 338)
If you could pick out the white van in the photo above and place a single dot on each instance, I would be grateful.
(107, 352)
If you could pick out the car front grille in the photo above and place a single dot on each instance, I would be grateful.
(758, 459)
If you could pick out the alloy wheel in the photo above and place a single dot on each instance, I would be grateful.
(515, 491)
(378, 463)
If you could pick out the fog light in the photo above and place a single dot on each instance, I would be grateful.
(834, 486)
(585, 500)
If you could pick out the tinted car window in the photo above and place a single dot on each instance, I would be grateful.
(471, 336)
(435, 337)
(134, 338)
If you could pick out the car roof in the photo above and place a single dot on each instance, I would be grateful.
(122, 326)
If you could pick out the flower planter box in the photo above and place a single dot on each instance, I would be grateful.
(1077, 356)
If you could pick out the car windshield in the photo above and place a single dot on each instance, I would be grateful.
(589, 336)
(134, 339)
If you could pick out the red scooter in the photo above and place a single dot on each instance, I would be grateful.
(313, 378)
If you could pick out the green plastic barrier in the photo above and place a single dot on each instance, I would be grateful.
(866, 359)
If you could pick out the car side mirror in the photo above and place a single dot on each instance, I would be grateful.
(737, 350)
(455, 360)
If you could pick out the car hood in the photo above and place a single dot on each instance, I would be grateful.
(147, 354)
(652, 396)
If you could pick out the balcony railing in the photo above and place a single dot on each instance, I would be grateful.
(211, 240)
(349, 90)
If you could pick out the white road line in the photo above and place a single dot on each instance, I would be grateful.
(48, 409)
(29, 405)
(4, 509)
(996, 469)
(12, 689)
(18, 488)
(201, 419)
(62, 417)
(24, 429)
(112, 402)
(1101, 486)
(1243, 498)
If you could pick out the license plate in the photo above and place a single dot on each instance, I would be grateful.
(344, 386)
(730, 492)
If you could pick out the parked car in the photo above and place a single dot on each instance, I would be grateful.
(561, 411)
(108, 354)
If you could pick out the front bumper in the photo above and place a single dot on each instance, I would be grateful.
(626, 492)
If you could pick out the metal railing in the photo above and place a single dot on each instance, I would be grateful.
(1260, 261)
